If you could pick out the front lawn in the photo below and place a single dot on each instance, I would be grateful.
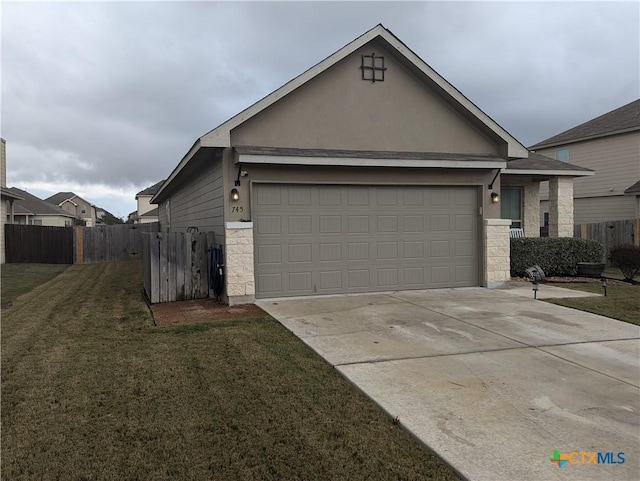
(622, 301)
(92, 390)
(20, 278)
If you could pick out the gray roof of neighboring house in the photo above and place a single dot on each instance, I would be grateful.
(151, 190)
(633, 189)
(542, 162)
(5, 192)
(623, 119)
(32, 205)
(60, 197)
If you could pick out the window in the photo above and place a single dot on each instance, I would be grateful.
(546, 219)
(562, 155)
(511, 205)
(84, 209)
(36, 222)
(67, 223)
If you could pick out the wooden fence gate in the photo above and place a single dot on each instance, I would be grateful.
(176, 265)
(108, 243)
(38, 244)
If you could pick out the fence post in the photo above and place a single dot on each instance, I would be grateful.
(79, 237)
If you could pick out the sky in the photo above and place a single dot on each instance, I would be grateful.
(104, 99)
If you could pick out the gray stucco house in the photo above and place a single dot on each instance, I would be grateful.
(368, 172)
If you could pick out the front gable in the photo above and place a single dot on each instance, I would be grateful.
(337, 109)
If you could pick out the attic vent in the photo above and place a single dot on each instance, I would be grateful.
(373, 68)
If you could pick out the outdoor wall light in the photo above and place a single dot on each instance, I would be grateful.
(495, 198)
(235, 195)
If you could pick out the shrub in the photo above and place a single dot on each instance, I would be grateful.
(627, 258)
(557, 256)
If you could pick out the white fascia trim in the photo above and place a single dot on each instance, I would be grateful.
(555, 173)
(238, 225)
(360, 162)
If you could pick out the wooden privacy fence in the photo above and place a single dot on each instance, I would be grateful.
(74, 245)
(176, 265)
(610, 234)
(38, 244)
(107, 243)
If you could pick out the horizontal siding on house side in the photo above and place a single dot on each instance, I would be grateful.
(199, 202)
(615, 160)
(598, 209)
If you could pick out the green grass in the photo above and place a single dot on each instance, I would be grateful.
(92, 391)
(18, 279)
(622, 301)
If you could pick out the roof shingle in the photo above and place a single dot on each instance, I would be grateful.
(622, 119)
(151, 190)
(32, 205)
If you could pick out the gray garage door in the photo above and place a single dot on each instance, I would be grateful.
(327, 239)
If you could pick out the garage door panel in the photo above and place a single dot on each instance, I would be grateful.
(387, 196)
(413, 223)
(330, 280)
(388, 277)
(269, 254)
(465, 197)
(326, 239)
(465, 223)
(330, 251)
(439, 223)
(269, 195)
(464, 247)
(440, 248)
(299, 196)
(440, 274)
(358, 251)
(300, 253)
(329, 224)
(414, 276)
(301, 281)
(359, 278)
(268, 224)
(330, 196)
(269, 283)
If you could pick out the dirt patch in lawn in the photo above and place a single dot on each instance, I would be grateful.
(203, 310)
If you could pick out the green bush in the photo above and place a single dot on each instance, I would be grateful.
(557, 256)
(626, 258)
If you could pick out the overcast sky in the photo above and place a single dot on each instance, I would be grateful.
(104, 99)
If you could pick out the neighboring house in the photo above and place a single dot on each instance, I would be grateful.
(31, 210)
(7, 199)
(146, 212)
(81, 209)
(609, 145)
(368, 172)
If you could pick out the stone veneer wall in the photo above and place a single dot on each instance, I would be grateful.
(239, 262)
(561, 207)
(531, 206)
(497, 264)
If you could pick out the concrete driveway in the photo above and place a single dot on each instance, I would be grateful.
(493, 381)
